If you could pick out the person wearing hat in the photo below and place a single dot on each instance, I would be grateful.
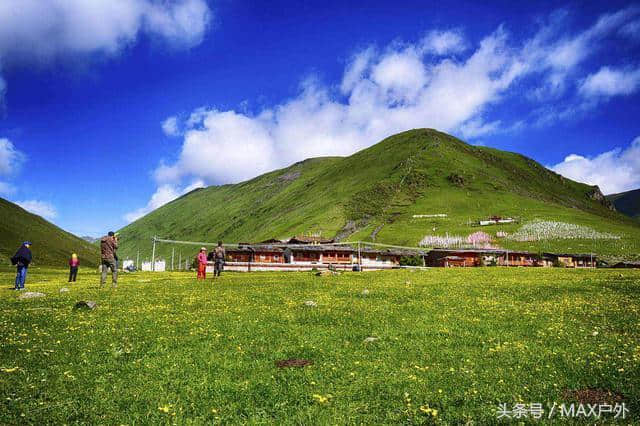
(108, 248)
(22, 259)
(73, 267)
(202, 263)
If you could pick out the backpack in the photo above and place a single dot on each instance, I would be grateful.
(219, 255)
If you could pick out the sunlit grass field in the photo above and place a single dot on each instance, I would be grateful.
(450, 346)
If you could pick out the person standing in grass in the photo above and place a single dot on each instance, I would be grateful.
(108, 248)
(73, 267)
(22, 259)
(202, 263)
(116, 237)
(219, 258)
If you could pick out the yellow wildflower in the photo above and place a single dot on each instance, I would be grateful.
(321, 399)
(427, 410)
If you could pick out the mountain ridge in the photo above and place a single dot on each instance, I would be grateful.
(374, 193)
(52, 245)
(627, 202)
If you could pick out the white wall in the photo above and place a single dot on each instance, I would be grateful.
(160, 266)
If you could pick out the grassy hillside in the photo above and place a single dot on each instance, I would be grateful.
(51, 245)
(373, 195)
(627, 203)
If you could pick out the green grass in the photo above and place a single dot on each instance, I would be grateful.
(163, 348)
(381, 188)
(51, 245)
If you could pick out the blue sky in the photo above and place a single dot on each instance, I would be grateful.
(110, 109)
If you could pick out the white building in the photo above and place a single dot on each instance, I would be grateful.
(160, 266)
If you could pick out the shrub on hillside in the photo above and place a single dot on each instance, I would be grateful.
(411, 261)
(456, 179)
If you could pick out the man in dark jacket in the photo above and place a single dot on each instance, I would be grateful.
(219, 256)
(108, 248)
(22, 259)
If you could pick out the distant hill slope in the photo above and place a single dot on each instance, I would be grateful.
(51, 245)
(374, 194)
(627, 202)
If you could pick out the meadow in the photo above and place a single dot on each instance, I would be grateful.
(414, 347)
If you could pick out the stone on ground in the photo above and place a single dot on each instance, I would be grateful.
(64, 290)
(31, 295)
(370, 339)
(310, 303)
(294, 363)
(327, 273)
(365, 292)
(88, 304)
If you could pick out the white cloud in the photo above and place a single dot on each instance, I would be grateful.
(43, 29)
(223, 145)
(400, 74)
(355, 70)
(609, 82)
(41, 208)
(631, 30)
(613, 171)
(6, 188)
(3, 90)
(39, 31)
(170, 126)
(476, 127)
(10, 158)
(554, 52)
(443, 42)
(184, 22)
(163, 195)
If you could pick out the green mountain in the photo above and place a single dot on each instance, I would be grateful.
(51, 245)
(374, 194)
(627, 202)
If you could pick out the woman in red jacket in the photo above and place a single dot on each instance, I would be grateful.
(202, 263)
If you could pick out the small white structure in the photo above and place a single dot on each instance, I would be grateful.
(377, 261)
(126, 264)
(496, 221)
(420, 216)
(160, 266)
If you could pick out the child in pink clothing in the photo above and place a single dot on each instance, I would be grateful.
(202, 263)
